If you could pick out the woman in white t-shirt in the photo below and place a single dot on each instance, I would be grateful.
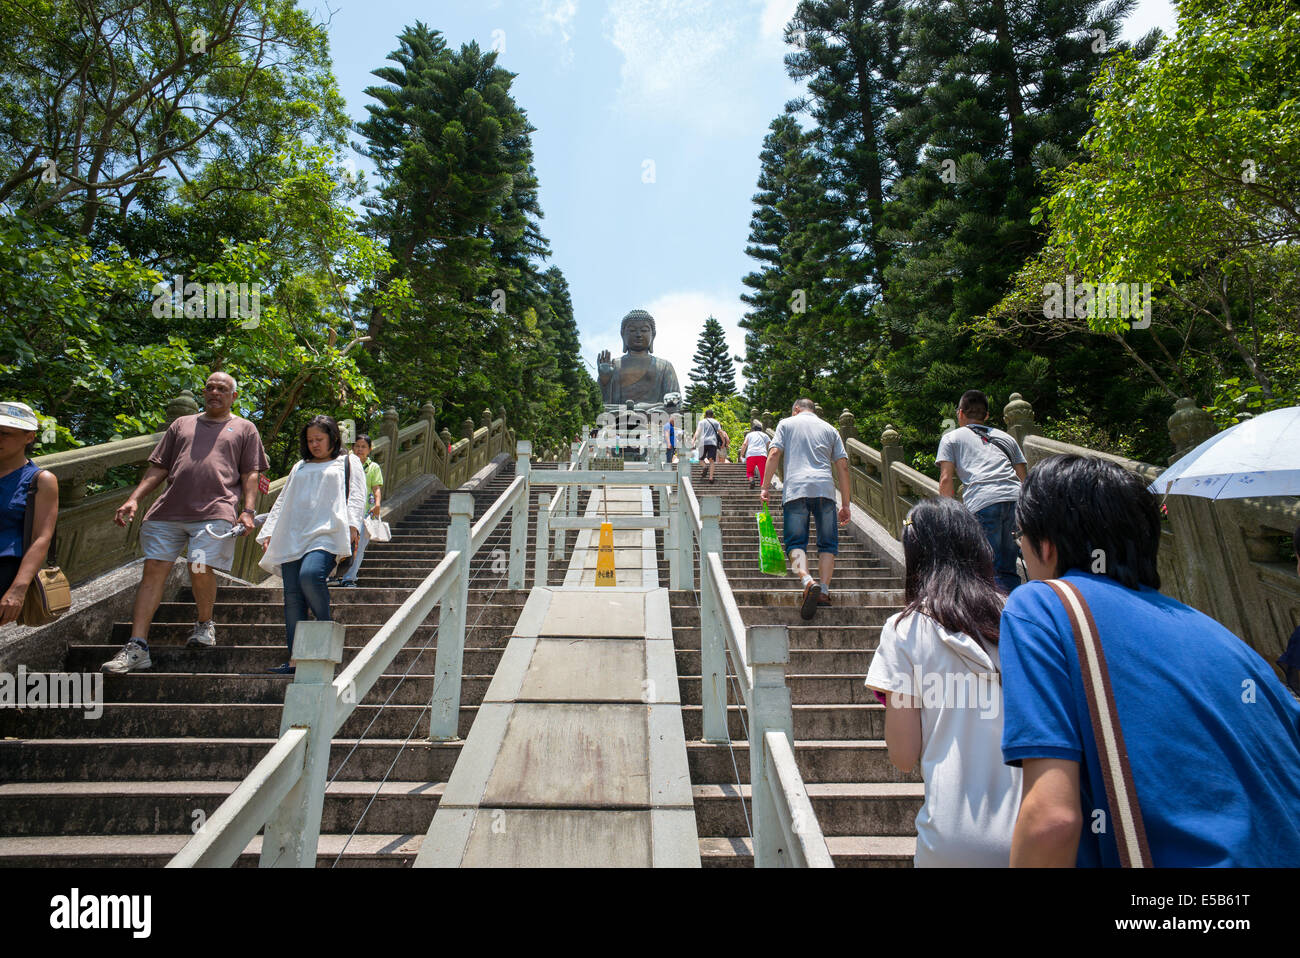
(937, 664)
(316, 520)
(753, 452)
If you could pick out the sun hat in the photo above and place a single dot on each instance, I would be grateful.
(15, 415)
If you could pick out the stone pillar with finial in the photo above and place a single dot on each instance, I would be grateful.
(818, 411)
(769, 419)
(428, 416)
(848, 426)
(1019, 417)
(891, 451)
(183, 405)
(1189, 426)
(389, 429)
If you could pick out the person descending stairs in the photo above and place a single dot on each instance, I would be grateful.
(130, 788)
(865, 806)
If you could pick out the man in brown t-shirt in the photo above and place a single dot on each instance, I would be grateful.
(211, 461)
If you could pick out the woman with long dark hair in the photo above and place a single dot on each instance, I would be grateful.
(937, 664)
(315, 521)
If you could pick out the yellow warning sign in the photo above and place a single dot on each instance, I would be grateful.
(605, 555)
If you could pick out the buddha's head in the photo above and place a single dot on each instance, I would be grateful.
(638, 331)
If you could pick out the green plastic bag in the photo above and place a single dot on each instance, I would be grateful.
(771, 557)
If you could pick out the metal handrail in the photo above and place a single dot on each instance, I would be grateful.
(285, 791)
(803, 836)
(361, 674)
(733, 627)
(222, 838)
(785, 830)
(496, 512)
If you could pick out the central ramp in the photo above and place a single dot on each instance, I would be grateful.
(577, 757)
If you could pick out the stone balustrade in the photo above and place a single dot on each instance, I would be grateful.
(1226, 557)
(90, 543)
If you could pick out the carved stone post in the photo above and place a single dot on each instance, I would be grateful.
(848, 425)
(1019, 417)
(769, 420)
(1189, 426)
(428, 413)
(485, 421)
(891, 451)
(390, 429)
(182, 405)
(818, 411)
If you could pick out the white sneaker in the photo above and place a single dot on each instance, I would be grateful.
(133, 656)
(204, 635)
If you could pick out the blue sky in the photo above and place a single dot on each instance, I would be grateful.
(650, 115)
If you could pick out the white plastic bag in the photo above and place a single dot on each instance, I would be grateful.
(378, 530)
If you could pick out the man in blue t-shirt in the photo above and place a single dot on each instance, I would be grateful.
(1212, 736)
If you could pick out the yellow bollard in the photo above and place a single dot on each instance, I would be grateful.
(605, 555)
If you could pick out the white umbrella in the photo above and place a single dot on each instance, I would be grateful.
(1258, 457)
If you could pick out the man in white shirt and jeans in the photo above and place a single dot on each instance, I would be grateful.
(810, 446)
(991, 467)
(711, 433)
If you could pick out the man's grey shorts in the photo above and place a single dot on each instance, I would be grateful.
(166, 540)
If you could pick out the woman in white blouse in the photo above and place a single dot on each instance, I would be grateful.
(316, 520)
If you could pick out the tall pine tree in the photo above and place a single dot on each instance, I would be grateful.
(714, 372)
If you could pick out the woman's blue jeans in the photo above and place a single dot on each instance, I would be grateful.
(304, 588)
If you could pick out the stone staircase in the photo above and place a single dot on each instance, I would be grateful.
(129, 788)
(865, 806)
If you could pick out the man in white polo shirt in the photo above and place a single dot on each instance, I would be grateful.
(810, 446)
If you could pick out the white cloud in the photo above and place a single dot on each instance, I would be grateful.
(692, 62)
(555, 18)
(776, 14)
(679, 320)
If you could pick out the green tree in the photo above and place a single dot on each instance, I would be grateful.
(1189, 185)
(99, 100)
(714, 372)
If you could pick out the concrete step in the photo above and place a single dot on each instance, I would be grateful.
(164, 807)
(847, 851)
(212, 759)
(481, 656)
(175, 688)
(349, 613)
(211, 720)
(822, 721)
(154, 851)
(802, 662)
(804, 689)
(842, 808)
(819, 761)
(803, 638)
(788, 614)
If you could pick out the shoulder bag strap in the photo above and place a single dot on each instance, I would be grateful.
(1121, 792)
(990, 438)
(29, 522)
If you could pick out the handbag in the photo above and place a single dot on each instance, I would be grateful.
(771, 557)
(48, 595)
(1121, 792)
(378, 530)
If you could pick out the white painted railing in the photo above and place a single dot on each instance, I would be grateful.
(285, 792)
(786, 831)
